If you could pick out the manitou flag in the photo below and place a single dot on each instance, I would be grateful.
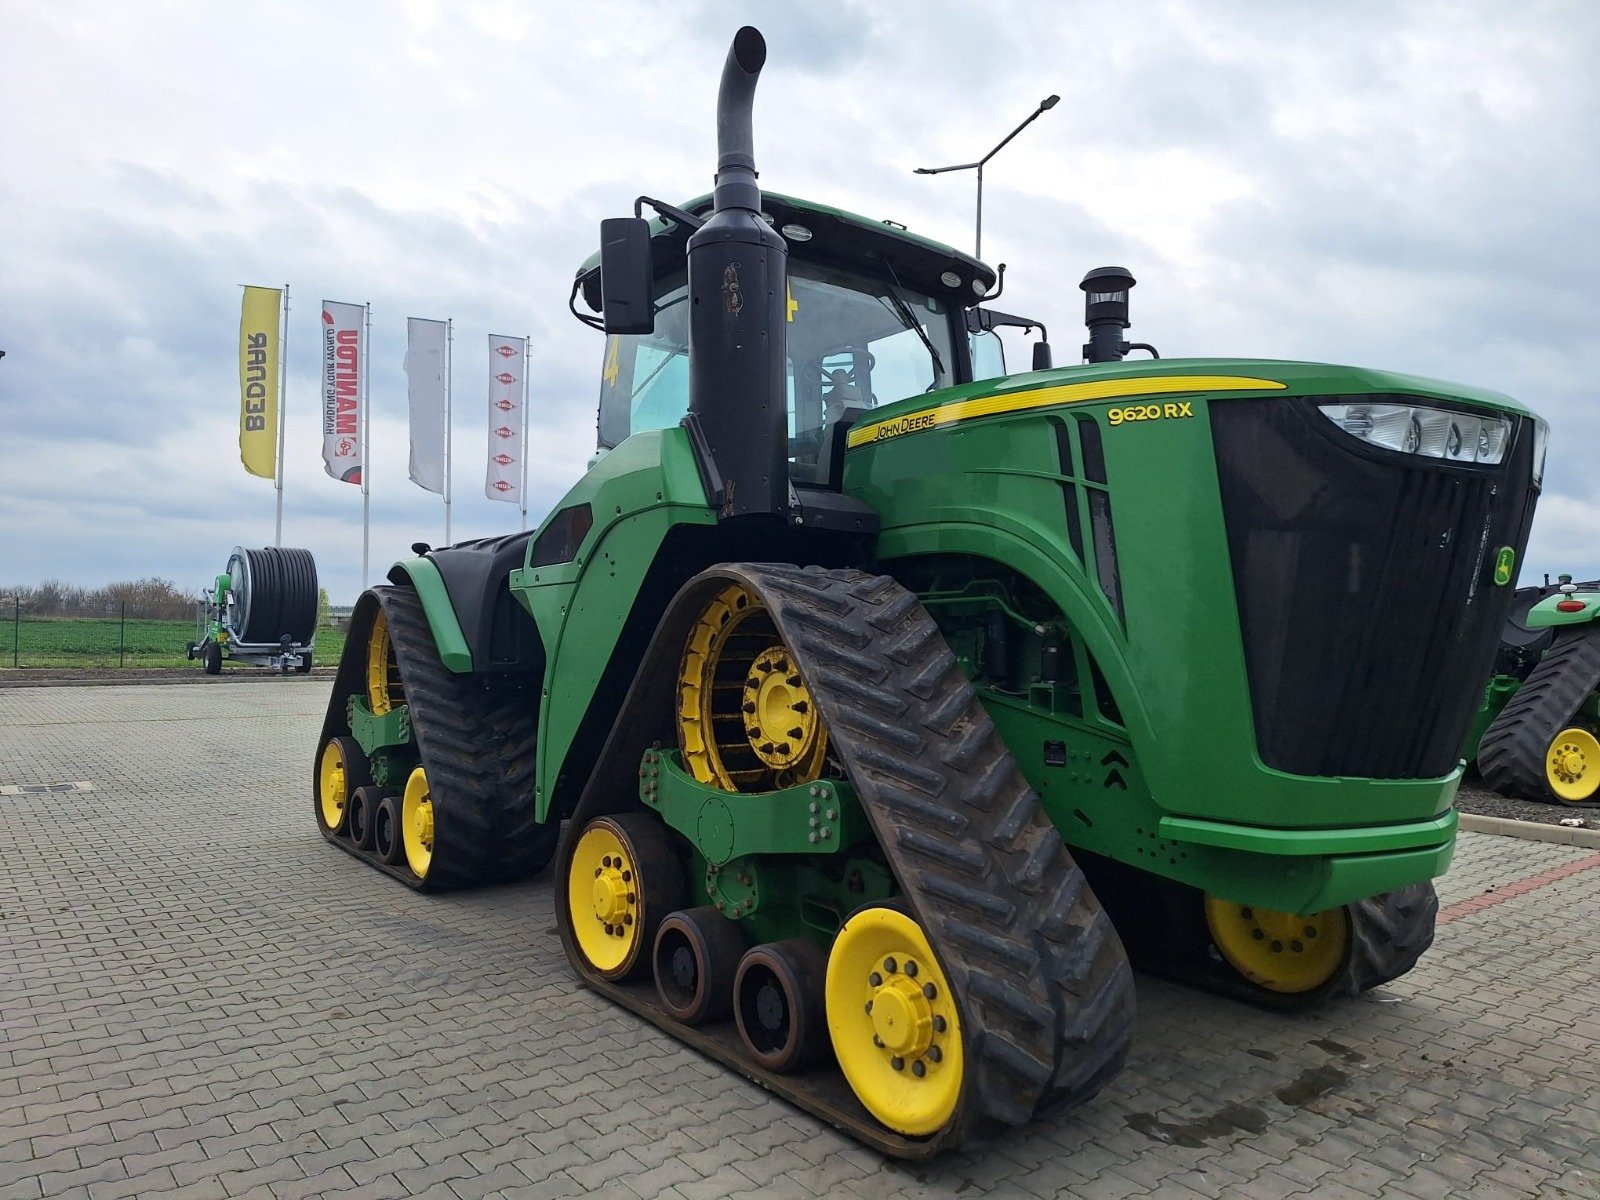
(259, 334)
(344, 372)
(426, 388)
(506, 397)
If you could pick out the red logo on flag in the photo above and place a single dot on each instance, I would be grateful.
(505, 460)
(504, 351)
(347, 447)
(500, 485)
(505, 405)
(503, 377)
(505, 432)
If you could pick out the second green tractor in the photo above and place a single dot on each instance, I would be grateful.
(891, 705)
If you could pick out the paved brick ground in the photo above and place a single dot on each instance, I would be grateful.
(198, 997)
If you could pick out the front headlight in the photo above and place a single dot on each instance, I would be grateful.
(1425, 430)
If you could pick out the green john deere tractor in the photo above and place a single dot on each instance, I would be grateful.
(1534, 734)
(891, 708)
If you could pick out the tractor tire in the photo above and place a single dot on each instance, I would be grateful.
(1033, 966)
(211, 658)
(475, 741)
(1539, 748)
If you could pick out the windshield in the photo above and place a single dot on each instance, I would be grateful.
(854, 342)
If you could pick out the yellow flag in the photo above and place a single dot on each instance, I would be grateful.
(258, 380)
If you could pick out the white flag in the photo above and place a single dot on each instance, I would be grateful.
(344, 372)
(426, 387)
(506, 398)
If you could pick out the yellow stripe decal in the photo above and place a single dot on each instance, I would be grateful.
(1066, 393)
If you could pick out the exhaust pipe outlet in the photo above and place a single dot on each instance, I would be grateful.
(738, 295)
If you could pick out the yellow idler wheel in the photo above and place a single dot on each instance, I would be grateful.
(622, 880)
(746, 720)
(1572, 766)
(341, 769)
(384, 690)
(1280, 951)
(416, 823)
(893, 1020)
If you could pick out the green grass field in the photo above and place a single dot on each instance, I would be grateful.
(69, 642)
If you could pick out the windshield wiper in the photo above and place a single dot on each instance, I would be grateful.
(902, 310)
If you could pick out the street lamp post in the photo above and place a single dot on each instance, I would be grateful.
(1045, 105)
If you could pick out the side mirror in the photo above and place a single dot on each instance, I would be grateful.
(1041, 356)
(627, 297)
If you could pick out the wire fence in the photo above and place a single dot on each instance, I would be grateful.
(131, 636)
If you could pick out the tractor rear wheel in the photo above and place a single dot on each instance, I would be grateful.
(1542, 746)
(624, 877)
(341, 769)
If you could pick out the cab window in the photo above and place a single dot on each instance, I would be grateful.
(854, 342)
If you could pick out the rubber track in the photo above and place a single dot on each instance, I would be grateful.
(1043, 984)
(1511, 755)
(1389, 933)
(476, 743)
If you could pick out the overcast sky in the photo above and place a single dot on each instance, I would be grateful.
(1400, 185)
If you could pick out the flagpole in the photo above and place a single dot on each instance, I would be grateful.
(283, 377)
(449, 354)
(526, 343)
(366, 423)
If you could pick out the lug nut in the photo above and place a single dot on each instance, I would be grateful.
(898, 1063)
(890, 965)
(935, 1054)
(875, 979)
(929, 990)
(938, 1024)
(919, 1068)
(911, 967)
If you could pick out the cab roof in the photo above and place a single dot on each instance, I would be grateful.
(838, 238)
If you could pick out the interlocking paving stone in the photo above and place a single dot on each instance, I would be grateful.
(198, 997)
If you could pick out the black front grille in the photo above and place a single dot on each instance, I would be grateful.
(1363, 580)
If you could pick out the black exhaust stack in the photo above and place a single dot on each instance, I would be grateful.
(738, 291)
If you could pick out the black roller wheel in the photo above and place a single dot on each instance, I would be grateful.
(364, 803)
(779, 1005)
(386, 839)
(697, 954)
(211, 658)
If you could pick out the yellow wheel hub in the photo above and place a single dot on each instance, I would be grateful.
(416, 823)
(384, 690)
(780, 719)
(746, 720)
(894, 1023)
(603, 898)
(1279, 951)
(333, 784)
(1572, 766)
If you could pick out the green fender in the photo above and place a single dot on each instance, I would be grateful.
(424, 576)
(1545, 614)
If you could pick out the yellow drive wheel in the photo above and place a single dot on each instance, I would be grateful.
(1279, 951)
(746, 720)
(385, 692)
(416, 823)
(341, 769)
(1572, 765)
(893, 1021)
(622, 880)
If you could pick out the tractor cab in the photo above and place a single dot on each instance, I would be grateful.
(872, 314)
